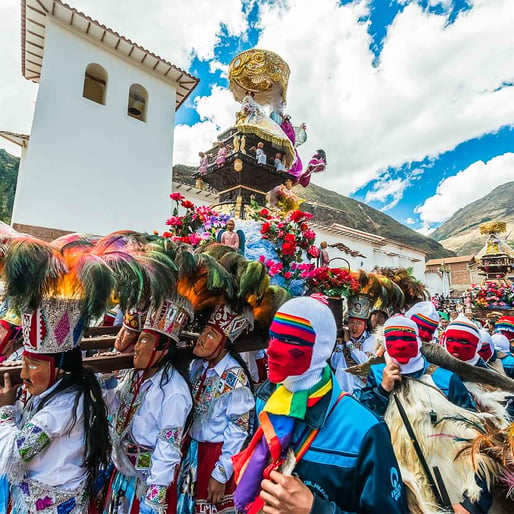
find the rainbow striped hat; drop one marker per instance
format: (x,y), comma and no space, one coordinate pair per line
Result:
(425,315)
(505,323)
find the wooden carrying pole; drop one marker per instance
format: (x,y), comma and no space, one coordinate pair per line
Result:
(102,339)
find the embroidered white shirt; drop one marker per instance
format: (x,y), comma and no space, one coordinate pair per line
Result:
(159,421)
(49,453)
(222,410)
(364,349)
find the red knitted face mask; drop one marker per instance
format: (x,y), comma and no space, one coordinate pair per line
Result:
(286,358)
(461,345)
(402,346)
(425,335)
(486,352)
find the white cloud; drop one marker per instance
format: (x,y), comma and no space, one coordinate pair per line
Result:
(387,189)
(434,86)
(425,230)
(465,187)
(410,221)
(216,111)
(215,66)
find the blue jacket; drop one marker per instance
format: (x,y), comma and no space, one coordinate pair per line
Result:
(375,397)
(508,365)
(350,466)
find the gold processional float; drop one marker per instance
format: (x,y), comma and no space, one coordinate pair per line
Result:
(494,296)
(258,152)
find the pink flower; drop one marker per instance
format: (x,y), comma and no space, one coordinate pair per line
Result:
(175,221)
(313,251)
(177,197)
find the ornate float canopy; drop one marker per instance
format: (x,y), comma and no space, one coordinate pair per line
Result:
(493,227)
(261,72)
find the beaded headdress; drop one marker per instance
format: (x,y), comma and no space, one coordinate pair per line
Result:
(169,317)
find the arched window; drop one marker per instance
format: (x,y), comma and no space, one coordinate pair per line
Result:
(95,83)
(137,102)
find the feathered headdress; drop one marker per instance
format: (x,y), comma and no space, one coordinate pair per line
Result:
(250,293)
(413,290)
(57,292)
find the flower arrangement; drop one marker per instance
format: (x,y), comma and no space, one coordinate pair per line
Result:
(293,243)
(197,225)
(290,234)
(332,281)
(493,294)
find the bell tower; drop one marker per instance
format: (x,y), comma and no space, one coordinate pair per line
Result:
(99,156)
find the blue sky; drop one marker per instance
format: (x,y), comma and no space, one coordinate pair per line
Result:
(428,172)
(412,100)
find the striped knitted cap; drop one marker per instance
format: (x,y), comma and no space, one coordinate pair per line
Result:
(462,327)
(399,325)
(295,327)
(425,315)
(505,323)
(310,322)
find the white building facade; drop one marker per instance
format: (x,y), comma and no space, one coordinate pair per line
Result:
(100,152)
(374,250)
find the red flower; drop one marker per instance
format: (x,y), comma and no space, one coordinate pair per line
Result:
(313,251)
(287,275)
(265,227)
(288,248)
(166,234)
(298,216)
(177,197)
(289,237)
(187,204)
(304,227)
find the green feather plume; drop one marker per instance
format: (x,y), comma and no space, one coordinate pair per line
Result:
(32,269)
(96,281)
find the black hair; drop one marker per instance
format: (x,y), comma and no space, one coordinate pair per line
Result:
(173,362)
(97,440)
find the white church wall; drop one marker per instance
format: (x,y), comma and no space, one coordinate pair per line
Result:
(388,255)
(91,167)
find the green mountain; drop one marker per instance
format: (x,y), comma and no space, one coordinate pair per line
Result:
(331,207)
(461,232)
(8,176)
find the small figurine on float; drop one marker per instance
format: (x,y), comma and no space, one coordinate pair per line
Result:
(279,165)
(204,162)
(233,238)
(259,153)
(222,154)
(317,164)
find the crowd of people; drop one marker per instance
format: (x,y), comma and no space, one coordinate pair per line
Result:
(381,413)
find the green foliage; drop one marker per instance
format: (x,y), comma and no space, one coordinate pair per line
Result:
(8,177)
